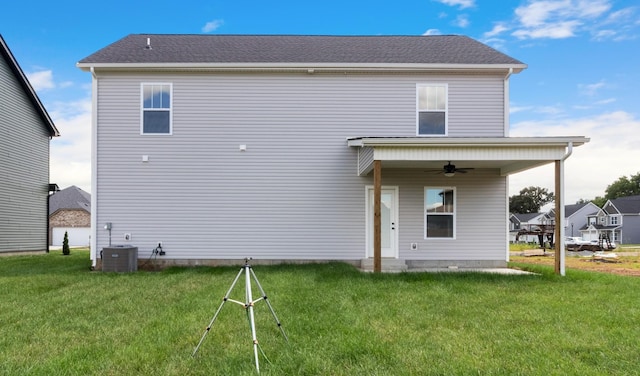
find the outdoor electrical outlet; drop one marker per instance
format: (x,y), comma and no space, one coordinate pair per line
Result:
(127,236)
(414,246)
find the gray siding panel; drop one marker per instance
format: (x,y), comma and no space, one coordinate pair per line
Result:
(481,207)
(629,232)
(294,193)
(24,169)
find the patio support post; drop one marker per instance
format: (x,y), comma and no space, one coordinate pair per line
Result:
(377,222)
(559,255)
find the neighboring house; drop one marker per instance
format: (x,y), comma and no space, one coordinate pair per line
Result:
(26,129)
(575,220)
(576,217)
(521,226)
(619,219)
(308,148)
(70,212)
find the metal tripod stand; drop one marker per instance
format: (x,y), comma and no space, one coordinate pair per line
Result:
(248,306)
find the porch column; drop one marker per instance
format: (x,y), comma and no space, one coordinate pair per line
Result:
(377,221)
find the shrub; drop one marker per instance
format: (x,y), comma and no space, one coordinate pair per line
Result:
(65,244)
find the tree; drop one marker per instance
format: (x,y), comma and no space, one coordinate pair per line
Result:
(530,200)
(623,187)
(65,244)
(598,201)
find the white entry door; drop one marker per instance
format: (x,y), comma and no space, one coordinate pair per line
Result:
(388,219)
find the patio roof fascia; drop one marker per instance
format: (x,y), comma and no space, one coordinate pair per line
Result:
(466,141)
(509,154)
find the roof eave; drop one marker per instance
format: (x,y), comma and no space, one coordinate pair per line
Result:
(308,67)
(26,85)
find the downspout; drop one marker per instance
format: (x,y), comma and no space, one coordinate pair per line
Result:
(560,223)
(506,134)
(94,181)
(506,102)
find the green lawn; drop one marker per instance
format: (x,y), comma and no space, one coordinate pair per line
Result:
(60,318)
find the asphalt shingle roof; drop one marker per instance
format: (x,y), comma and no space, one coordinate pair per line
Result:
(627,205)
(571,209)
(70,198)
(192,48)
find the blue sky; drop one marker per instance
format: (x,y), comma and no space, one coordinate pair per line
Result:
(583,57)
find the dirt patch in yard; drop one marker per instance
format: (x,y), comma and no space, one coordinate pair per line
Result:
(626,263)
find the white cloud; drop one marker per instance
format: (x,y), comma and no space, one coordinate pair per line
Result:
(537,13)
(600,35)
(212,26)
(557,19)
(606,101)
(591,89)
(622,15)
(460,3)
(70,154)
(611,153)
(558,30)
(497,43)
(41,80)
(462,21)
(498,29)
(432,32)
(516,109)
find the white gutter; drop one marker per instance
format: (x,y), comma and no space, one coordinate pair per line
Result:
(303,67)
(561,225)
(94,164)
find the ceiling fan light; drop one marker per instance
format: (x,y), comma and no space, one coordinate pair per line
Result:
(449,174)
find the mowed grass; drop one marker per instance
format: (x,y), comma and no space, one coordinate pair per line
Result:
(60,318)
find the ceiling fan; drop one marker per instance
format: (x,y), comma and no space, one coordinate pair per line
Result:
(449,170)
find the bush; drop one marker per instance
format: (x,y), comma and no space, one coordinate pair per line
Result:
(65,244)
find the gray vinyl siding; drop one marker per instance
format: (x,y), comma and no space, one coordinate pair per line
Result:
(630,233)
(365,160)
(480,206)
(294,193)
(24,169)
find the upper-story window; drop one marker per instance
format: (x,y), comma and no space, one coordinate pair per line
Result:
(613,220)
(439,207)
(156,108)
(432,109)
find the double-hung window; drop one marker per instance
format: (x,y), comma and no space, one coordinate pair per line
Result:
(440,211)
(156,108)
(432,109)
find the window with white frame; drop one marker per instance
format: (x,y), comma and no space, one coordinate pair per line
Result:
(613,220)
(432,109)
(439,209)
(156,108)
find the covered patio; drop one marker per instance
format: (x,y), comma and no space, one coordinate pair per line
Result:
(507,155)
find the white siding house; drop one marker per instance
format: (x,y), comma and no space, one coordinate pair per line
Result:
(280,148)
